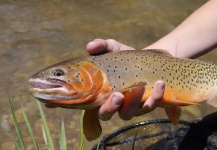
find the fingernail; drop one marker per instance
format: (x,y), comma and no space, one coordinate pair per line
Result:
(106,117)
(160,86)
(116,100)
(91,42)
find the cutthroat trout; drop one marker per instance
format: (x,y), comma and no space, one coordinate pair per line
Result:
(86,82)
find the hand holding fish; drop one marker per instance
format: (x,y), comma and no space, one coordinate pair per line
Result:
(115,101)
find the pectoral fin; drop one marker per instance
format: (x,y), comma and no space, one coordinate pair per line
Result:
(132,100)
(134,86)
(91,125)
(123,91)
(174,114)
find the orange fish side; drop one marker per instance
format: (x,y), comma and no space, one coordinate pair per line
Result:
(173,96)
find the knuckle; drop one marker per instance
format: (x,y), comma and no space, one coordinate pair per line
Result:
(111,40)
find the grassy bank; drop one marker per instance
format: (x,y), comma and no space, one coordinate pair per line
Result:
(20,144)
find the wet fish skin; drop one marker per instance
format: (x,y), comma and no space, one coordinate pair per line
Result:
(187,79)
(85,83)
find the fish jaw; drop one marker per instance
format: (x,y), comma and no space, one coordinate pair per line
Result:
(51,89)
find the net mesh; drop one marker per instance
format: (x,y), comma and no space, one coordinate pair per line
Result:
(162,134)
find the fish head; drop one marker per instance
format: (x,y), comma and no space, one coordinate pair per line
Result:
(70,84)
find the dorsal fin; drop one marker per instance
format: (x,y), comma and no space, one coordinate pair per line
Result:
(160,51)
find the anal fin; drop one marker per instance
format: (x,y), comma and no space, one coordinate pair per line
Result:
(91,125)
(174,114)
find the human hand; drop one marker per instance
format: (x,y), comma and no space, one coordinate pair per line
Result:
(116,99)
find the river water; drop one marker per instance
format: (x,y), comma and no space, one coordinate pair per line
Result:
(35,34)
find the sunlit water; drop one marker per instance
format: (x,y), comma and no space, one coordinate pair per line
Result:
(35,34)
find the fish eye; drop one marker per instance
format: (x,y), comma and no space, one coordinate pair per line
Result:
(58,72)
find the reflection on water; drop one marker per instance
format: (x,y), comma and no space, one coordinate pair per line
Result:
(35,34)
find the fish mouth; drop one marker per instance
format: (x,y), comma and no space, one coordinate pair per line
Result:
(51,89)
(43,84)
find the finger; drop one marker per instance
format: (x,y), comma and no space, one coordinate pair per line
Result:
(114,46)
(132,100)
(111,106)
(99,46)
(157,93)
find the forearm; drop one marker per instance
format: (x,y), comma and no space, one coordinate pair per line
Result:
(194,35)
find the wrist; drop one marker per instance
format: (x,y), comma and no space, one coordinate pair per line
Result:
(164,43)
